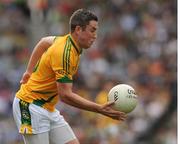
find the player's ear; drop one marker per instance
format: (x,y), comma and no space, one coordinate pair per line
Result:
(78,29)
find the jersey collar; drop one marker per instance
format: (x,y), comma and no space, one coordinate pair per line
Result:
(78,49)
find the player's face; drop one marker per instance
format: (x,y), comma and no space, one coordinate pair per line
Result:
(88,35)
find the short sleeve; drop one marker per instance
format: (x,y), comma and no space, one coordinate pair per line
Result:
(63,77)
(61,63)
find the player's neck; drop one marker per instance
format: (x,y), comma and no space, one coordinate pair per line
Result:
(75,39)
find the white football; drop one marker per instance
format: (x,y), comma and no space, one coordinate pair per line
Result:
(124,97)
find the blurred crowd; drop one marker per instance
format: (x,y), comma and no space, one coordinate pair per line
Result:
(136,45)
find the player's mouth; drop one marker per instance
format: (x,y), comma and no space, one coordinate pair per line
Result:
(91,42)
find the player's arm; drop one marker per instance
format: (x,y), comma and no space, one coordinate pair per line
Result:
(37,52)
(73,99)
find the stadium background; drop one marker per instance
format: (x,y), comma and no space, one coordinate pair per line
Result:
(137,45)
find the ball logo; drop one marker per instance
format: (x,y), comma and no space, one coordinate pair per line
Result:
(131,92)
(115,96)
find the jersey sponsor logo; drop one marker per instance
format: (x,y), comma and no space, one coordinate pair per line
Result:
(62,72)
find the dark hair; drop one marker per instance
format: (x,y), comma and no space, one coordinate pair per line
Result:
(81,17)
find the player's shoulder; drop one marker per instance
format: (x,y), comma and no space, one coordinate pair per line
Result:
(58,45)
(48,39)
(60,39)
(60,42)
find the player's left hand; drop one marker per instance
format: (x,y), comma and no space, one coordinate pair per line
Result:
(107,110)
(25,77)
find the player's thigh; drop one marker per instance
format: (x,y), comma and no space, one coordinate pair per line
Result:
(62,135)
(42,138)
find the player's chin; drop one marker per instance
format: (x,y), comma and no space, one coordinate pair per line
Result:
(87,46)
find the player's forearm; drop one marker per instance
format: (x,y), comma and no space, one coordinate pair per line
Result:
(79,102)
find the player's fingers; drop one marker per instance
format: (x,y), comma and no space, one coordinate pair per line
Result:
(24,78)
(117,112)
(22,81)
(112,112)
(118,118)
(121,117)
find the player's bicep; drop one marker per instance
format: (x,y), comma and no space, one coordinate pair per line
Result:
(64,89)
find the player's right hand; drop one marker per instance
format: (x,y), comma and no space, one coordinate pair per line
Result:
(107,110)
(25,77)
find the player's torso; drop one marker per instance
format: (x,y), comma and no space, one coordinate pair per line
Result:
(41,88)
